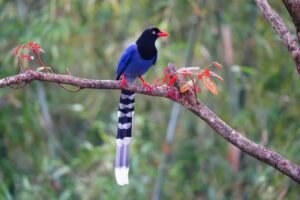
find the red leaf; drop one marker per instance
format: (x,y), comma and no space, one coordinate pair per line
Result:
(17,49)
(173,80)
(217,65)
(210,85)
(216,75)
(184,88)
(35,47)
(206,73)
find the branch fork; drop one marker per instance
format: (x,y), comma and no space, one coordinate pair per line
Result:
(280,27)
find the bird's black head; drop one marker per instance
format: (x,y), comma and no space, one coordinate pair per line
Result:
(151,33)
(146,42)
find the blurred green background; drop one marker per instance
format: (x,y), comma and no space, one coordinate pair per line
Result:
(56,144)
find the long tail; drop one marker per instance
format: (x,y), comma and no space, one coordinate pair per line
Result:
(125,114)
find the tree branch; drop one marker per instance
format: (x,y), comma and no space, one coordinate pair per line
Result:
(279,26)
(293,6)
(187,100)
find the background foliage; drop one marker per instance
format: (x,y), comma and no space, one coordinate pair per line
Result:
(60,145)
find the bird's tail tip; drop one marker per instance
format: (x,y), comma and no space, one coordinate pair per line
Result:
(121,174)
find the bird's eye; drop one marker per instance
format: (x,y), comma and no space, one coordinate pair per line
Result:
(153,32)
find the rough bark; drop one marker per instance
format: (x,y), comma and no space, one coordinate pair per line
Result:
(279,26)
(293,6)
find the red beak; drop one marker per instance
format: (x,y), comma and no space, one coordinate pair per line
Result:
(163,34)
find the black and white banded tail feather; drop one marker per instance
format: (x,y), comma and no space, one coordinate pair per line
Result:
(125,114)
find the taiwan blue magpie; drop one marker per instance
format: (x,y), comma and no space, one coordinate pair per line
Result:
(134,62)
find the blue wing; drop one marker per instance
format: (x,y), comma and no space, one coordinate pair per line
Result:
(125,59)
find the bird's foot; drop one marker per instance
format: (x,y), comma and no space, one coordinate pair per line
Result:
(146,85)
(123,81)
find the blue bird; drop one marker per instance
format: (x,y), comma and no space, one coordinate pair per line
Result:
(135,61)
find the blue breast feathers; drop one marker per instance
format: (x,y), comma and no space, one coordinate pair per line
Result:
(132,65)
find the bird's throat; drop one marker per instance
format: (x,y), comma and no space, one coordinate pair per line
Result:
(147,51)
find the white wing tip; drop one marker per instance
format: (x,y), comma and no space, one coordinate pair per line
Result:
(121,174)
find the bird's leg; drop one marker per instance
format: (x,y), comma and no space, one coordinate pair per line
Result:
(123,81)
(145,84)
